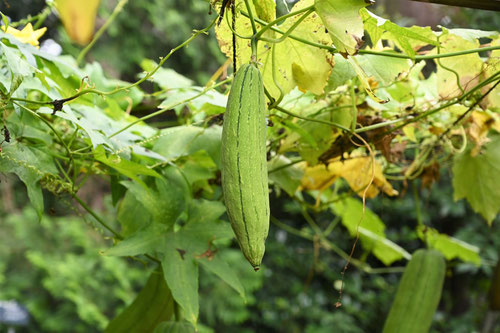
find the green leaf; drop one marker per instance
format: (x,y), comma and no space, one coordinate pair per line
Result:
(181,273)
(449,246)
(132,214)
(17,64)
(145,241)
(167,200)
(30,165)
(5,21)
(475,178)
(364,79)
(383,69)
(288,178)
(342,72)
(153,305)
(125,167)
(180,141)
(344,24)
(407,39)
(166,78)
(203,211)
(220,268)
(371,230)
(198,166)
(472,34)
(182,249)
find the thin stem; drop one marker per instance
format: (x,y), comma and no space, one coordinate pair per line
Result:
(279,108)
(281,167)
(385,54)
(457,76)
(42,17)
(44,13)
(128,87)
(271,24)
(105,225)
(94,215)
(354,108)
(325,243)
(491,79)
(381,125)
(169,107)
(250,16)
(48,124)
(116,11)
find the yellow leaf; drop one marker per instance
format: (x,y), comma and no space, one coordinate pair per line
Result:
(78,18)
(296,64)
(409,131)
(482,122)
(356,171)
(27,35)
(266,9)
(318,177)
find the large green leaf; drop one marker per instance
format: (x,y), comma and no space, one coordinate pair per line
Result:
(125,167)
(191,243)
(30,165)
(180,141)
(407,39)
(144,241)
(181,273)
(220,268)
(476,179)
(153,305)
(17,64)
(450,247)
(371,230)
(284,175)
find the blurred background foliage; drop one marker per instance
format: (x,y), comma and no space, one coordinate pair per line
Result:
(55,270)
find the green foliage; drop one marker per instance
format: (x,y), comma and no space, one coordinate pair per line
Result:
(52,267)
(365,124)
(472,179)
(140,315)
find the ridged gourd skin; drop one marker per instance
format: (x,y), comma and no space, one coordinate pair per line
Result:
(244,163)
(418,294)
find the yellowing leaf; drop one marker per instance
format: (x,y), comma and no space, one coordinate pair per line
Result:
(469,75)
(318,177)
(357,171)
(27,35)
(481,123)
(266,9)
(296,64)
(492,101)
(344,23)
(409,131)
(78,18)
